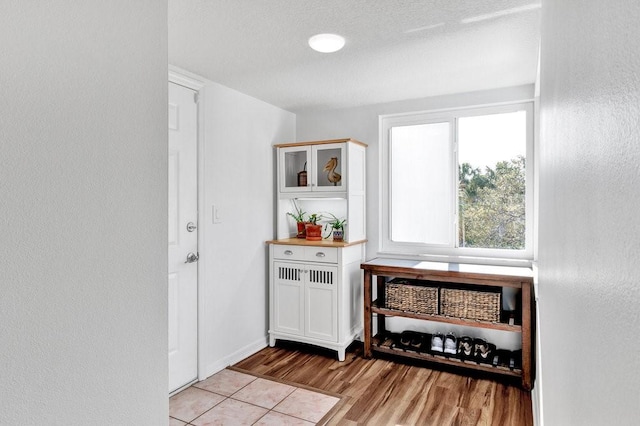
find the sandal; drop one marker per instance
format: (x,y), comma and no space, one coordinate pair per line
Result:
(465,347)
(484,351)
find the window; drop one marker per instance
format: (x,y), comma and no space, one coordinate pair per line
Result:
(458,182)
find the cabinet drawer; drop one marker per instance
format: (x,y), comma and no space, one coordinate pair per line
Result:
(288,252)
(321,254)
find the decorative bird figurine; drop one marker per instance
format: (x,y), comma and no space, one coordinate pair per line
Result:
(330,167)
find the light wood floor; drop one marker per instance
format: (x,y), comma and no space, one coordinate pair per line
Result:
(383,392)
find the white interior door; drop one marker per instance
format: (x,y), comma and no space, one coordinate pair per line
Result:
(183,238)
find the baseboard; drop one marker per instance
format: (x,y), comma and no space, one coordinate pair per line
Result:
(234,358)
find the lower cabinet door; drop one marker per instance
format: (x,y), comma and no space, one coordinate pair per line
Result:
(320,302)
(288,297)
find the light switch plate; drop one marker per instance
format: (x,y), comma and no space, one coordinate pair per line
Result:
(215,212)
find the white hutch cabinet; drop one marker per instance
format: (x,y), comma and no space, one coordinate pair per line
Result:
(315,287)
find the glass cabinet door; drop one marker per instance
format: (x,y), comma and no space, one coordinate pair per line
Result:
(330,172)
(295,163)
(317,168)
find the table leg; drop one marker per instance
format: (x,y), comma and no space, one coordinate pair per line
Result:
(367,314)
(382,326)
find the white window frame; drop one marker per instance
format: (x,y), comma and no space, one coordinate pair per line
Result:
(453,252)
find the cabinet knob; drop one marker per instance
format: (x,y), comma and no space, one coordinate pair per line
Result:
(320,254)
(288,252)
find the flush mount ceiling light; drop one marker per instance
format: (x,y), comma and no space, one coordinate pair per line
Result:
(326,43)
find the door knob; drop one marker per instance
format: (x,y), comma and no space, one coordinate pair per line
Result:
(192,258)
(191,227)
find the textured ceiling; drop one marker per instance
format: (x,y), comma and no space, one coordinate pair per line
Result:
(395,50)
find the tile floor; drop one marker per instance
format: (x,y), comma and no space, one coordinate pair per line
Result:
(234,398)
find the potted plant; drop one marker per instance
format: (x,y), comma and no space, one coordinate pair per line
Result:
(314,231)
(337,228)
(298,216)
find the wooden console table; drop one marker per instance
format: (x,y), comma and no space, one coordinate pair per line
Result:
(451,274)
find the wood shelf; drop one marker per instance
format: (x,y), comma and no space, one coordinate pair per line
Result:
(382,345)
(376,309)
(323,142)
(322,243)
(454,275)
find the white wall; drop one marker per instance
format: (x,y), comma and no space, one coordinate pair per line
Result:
(239,178)
(83,112)
(361,123)
(589,201)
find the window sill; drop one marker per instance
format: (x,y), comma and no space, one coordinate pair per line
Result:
(475,260)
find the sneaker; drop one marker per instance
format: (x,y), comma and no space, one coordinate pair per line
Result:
(437,342)
(450,344)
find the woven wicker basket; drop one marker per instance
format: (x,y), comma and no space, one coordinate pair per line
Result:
(469,304)
(402,296)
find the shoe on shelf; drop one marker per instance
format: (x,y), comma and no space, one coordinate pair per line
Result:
(465,347)
(450,344)
(484,351)
(417,342)
(405,339)
(437,342)
(516,360)
(390,339)
(501,358)
(410,340)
